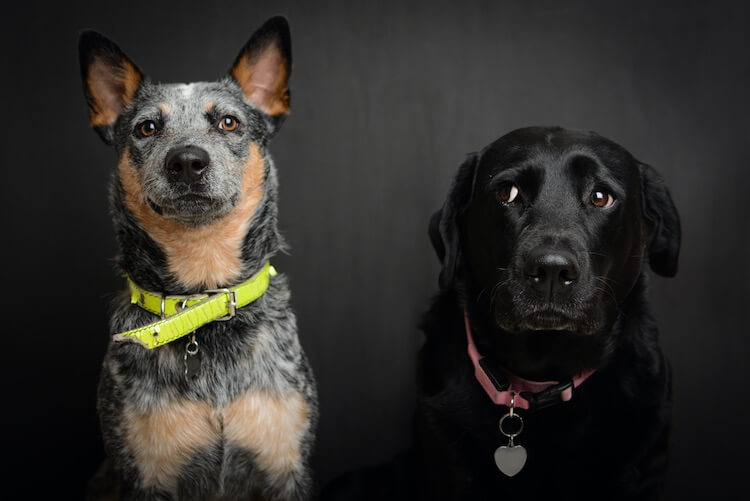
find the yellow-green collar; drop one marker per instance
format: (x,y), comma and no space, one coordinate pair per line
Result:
(181,315)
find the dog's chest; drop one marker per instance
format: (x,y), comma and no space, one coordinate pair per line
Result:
(167,440)
(585,438)
(244,399)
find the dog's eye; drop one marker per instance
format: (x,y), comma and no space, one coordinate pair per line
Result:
(601,199)
(228,123)
(147,128)
(507,193)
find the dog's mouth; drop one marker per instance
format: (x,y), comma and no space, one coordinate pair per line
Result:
(191,208)
(156,207)
(180,201)
(546,321)
(194,198)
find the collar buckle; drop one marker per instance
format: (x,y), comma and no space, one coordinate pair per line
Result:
(232,302)
(547,397)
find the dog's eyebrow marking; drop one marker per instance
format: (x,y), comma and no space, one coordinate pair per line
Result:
(164,108)
(207,256)
(163,440)
(271,426)
(209,106)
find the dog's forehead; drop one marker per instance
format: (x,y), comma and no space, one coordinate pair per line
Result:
(196,98)
(551,147)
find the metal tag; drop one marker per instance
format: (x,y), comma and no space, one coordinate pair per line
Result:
(192,359)
(510,459)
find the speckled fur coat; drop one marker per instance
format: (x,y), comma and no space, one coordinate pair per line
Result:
(244,427)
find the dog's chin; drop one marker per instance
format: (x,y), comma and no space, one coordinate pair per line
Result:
(192,210)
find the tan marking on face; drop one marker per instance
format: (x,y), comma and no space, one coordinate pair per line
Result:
(208,106)
(111,90)
(164,108)
(163,440)
(271,426)
(208,256)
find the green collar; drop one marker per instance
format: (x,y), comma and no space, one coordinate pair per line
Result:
(181,315)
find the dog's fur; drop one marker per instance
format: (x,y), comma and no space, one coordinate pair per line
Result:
(610,440)
(243,429)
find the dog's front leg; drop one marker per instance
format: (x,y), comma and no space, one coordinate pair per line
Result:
(294,485)
(158,442)
(644,480)
(243,478)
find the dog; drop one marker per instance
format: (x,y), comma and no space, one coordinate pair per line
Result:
(541,375)
(190,406)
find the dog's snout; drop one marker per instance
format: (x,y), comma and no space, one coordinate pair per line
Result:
(550,270)
(187,163)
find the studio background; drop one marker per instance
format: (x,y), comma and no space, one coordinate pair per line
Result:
(387,98)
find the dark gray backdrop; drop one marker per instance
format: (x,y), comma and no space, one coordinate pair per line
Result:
(387,99)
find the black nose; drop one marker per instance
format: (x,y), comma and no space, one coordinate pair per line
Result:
(550,270)
(186,163)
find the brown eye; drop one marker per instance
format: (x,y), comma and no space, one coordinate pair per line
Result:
(601,199)
(147,128)
(507,193)
(228,123)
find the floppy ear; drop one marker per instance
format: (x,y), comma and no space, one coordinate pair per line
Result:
(434,232)
(264,66)
(443,229)
(663,223)
(110,80)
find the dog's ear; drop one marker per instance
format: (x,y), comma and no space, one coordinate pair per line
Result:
(662,221)
(110,80)
(444,230)
(264,66)
(434,232)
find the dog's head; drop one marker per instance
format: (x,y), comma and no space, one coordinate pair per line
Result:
(552,226)
(186,148)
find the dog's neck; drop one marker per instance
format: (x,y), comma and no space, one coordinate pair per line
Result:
(505,388)
(545,356)
(212,257)
(548,355)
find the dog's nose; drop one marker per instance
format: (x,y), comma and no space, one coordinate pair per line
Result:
(186,163)
(550,270)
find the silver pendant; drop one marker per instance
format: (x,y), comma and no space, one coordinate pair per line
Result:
(510,459)
(192,359)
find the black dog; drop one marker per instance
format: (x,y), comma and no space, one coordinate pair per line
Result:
(543,240)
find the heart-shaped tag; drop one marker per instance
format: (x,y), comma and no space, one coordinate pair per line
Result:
(510,460)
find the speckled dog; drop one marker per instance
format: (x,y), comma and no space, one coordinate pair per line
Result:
(228,410)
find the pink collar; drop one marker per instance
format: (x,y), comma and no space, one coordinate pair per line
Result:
(501,394)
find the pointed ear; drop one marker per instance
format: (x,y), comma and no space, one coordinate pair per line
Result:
(662,221)
(110,81)
(264,66)
(444,232)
